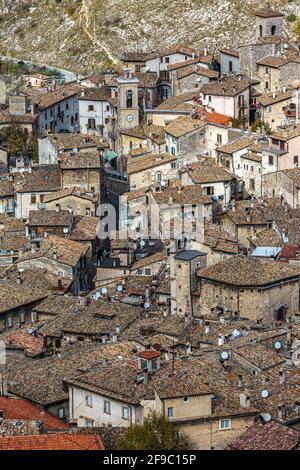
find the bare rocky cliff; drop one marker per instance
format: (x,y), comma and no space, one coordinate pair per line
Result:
(83,34)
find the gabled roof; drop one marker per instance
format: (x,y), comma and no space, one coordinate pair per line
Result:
(267,436)
(149,160)
(246,271)
(61,441)
(236,145)
(80,161)
(47,218)
(21,409)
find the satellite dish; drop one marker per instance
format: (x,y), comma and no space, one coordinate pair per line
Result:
(224,356)
(97,296)
(163,183)
(66,230)
(277,345)
(147,305)
(266,417)
(265,393)
(236,333)
(104,290)
(21,270)
(142,243)
(120,288)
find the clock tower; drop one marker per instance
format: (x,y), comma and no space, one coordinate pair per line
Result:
(128,107)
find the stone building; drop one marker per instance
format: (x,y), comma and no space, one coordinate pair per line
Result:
(275,106)
(81,171)
(246,287)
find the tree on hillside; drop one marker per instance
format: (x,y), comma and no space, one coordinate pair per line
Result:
(156,433)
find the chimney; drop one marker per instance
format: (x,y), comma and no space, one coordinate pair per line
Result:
(284,89)
(221,340)
(19,280)
(205,52)
(240,380)
(57,207)
(170,201)
(114,338)
(281,376)
(244,401)
(83,300)
(54,254)
(281,412)
(82,92)
(206,328)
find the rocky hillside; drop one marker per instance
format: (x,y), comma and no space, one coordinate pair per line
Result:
(81,34)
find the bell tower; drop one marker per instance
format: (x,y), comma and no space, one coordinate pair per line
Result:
(268,22)
(128,107)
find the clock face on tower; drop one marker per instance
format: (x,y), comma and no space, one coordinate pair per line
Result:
(130,118)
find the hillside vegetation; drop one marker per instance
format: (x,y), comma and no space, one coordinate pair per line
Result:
(85,34)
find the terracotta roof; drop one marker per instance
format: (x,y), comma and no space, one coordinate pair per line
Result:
(149,354)
(252,157)
(147,79)
(39,180)
(213,118)
(198,70)
(267,237)
(272,61)
(149,160)
(61,441)
(71,192)
(181,385)
(202,173)
(84,228)
(192,194)
(6,188)
(95,94)
(267,12)
(7,118)
(230,52)
(21,339)
(259,356)
(176,102)
(155,258)
(267,436)
(230,86)
(62,249)
(18,296)
(183,125)
(236,145)
(80,161)
(246,271)
(68,141)
(134,56)
(21,409)
(45,100)
(153,132)
(287,134)
(48,218)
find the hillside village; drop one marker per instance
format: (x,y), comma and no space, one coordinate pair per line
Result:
(149,248)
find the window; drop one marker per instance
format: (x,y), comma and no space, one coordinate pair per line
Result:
(170,412)
(210,190)
(46,116)
(230,66)
(267,70)
(33,199)
(209,98)
(91,124)
(148,271)
(271,160)
(224,424)
(273,30)
(219,139)
(252,184)
(167,60)
(67,105)
(107,407)
(267,85)
(186,399)
(91,107)
(129,99)
(60,274)
(173,151)
(137,68)
(9,322)
(296,159)
(260,30)
(89,423)
(61,413)
(22,315)
(125,412)
(42,197)
(173,165)
(33,316)
(106,120)
(89,401)
(159,177)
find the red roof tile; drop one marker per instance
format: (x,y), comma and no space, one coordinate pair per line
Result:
(148,354)
(62,441)
(19,408)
